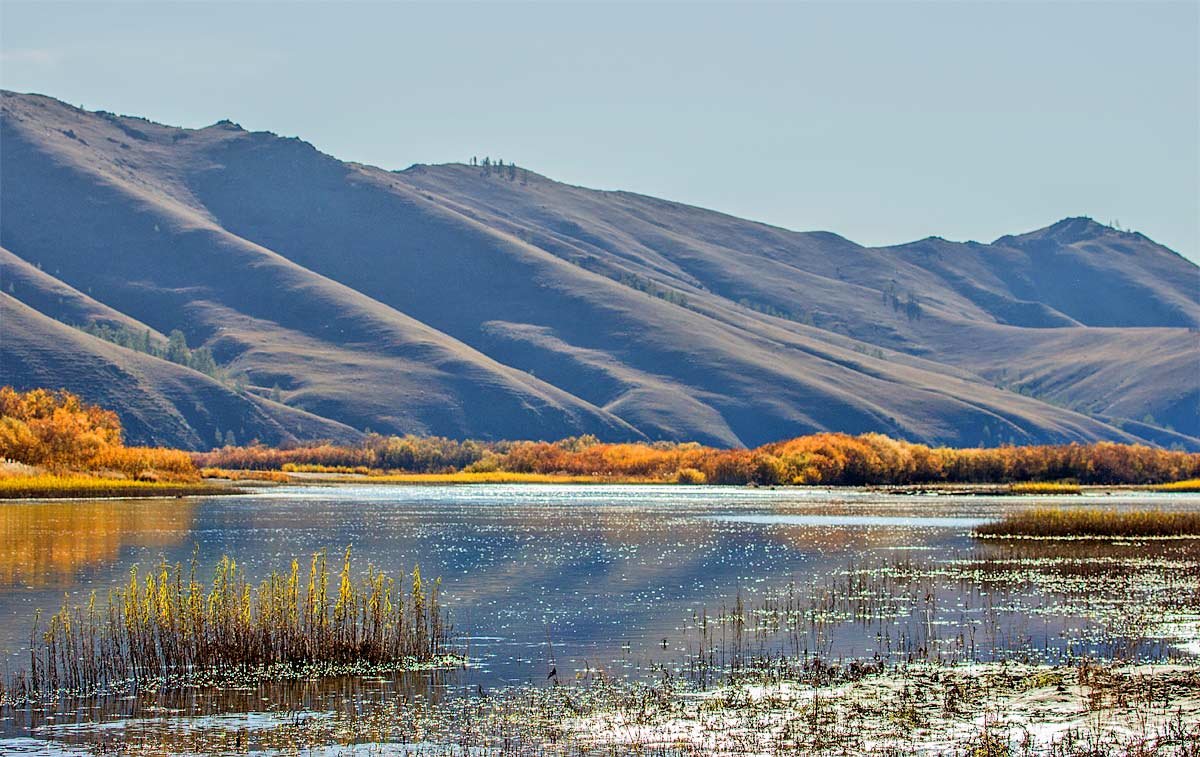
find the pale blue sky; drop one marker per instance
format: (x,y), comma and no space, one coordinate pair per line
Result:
(883,122)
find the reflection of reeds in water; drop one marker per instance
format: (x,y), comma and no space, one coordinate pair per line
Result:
(793,633)
(47,543)
(166,629)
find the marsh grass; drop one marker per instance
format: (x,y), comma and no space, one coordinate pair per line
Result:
(898,711)
(47,485)
(1190,485)
(1057,522)
(166,629)
(273,476)
(1045,487)
(360,470)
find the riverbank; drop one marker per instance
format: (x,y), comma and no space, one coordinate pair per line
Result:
(226,482)
(49,486)
(1027,490)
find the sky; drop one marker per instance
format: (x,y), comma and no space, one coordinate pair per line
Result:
(884,122)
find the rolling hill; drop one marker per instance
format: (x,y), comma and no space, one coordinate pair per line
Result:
(464,301)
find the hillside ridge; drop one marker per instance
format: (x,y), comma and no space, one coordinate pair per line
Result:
(443,299)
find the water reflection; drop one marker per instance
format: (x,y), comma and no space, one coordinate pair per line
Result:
(48,544)
(616,577)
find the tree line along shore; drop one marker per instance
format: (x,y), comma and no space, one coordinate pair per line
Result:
(56,445)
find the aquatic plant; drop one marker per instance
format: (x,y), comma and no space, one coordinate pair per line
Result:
(166,628)
(1084,522)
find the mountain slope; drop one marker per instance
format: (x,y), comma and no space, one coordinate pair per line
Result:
(980,306)
(161,403)
(442,300)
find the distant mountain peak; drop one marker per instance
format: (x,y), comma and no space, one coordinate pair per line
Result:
(1077,228)
(1067,231)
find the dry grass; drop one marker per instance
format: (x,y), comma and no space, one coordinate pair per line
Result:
(52,486)
(246,475)
(165,629)
(361,470)
(1190,485)
(1045,487)
(1091,522)
(690,476)
(146,462)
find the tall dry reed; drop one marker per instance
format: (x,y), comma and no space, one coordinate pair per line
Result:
(169,628)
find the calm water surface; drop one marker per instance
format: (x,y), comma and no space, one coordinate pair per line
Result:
(614,577)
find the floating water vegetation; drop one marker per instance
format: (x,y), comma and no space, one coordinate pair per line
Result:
(166,629)
(1059,522)
(1086,710)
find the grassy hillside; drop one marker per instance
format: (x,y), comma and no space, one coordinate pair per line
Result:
(441,300)
(160,403)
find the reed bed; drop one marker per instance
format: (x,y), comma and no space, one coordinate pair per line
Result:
(167,629)
(47,485)
(1057,522)
(1189,485)
(361,470)
(1045,487)
(273,476)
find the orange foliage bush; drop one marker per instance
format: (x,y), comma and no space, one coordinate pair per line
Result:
(816,459)
(842,459)
(145,462)
(54,429)
(58,431)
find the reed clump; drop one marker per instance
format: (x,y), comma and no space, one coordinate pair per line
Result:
(167,628)
(1058,522)
(1045,487)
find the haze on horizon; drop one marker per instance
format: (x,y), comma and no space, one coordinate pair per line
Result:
(883,122)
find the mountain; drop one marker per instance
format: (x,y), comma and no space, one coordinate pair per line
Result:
(496,303)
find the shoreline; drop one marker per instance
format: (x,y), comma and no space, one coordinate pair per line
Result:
(987,708)
(119,490)
(246,482)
